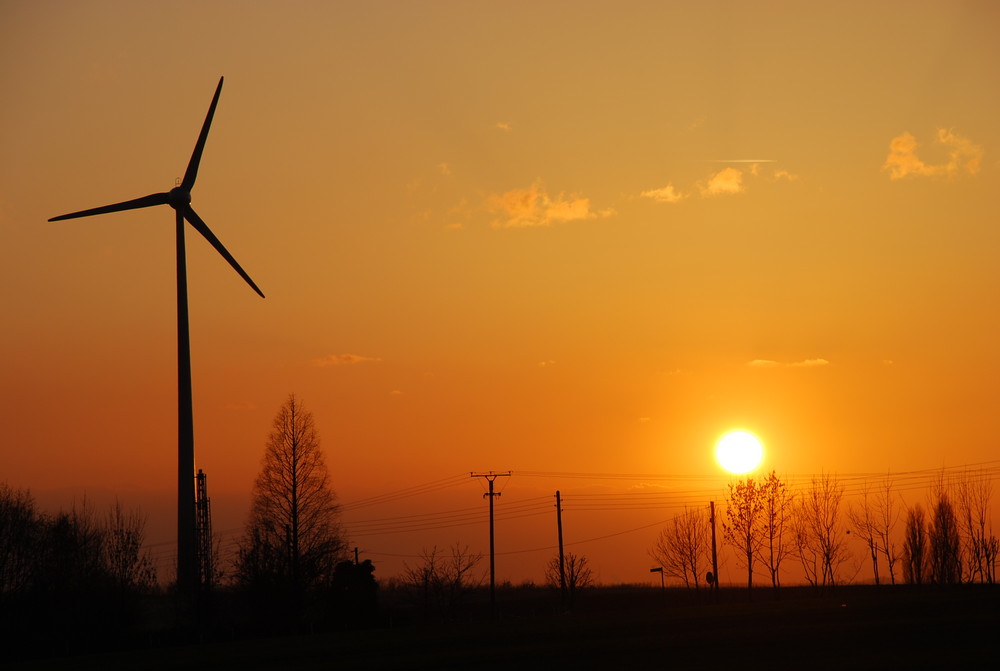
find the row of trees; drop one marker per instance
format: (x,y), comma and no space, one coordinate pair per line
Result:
(767,523)
(71,576)
(70,551)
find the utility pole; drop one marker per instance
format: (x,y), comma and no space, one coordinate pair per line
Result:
(562,558)
(490,477)
(715,556)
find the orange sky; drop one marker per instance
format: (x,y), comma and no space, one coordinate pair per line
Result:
(575,237)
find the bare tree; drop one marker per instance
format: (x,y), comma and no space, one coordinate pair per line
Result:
(945,545)
(886,517)
(819,535)
(864,519)
(683,547)
(915,546)
(130,567)
(577,571)
(778,503)
(975,492)
(443,581)
(744,528)
(20,528)
(293,535)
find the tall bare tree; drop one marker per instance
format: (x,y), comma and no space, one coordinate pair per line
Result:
(820,537)
(945,544)
(886,517)
(778,501)
(915,546)
(864,519)
(975,492)
(293,535)
(744,527)
(683,547)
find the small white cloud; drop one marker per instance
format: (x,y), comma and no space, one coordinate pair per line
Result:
(505,126)
(727,181)
(666,194)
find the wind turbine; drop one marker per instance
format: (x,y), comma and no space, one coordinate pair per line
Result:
(179,198)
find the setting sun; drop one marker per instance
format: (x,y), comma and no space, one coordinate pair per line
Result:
(739,452)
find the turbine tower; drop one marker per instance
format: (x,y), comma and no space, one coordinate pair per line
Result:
(179,198)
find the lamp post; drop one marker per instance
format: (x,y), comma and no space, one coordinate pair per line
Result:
(663,587)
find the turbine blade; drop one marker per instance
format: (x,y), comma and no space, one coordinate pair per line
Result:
(203,228)
(145,201)
(192,170)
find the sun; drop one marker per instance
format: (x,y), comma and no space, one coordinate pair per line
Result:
(739,452)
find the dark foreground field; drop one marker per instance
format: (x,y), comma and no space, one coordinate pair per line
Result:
(854,628)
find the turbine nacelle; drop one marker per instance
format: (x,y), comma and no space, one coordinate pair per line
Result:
(179,198)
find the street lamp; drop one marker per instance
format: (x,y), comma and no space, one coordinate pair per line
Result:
(659,569)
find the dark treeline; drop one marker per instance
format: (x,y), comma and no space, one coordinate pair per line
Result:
(71,577)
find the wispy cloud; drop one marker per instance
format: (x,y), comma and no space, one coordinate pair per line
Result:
(521,208)
(504,126)
(806,363)
(344,360)
(964,157)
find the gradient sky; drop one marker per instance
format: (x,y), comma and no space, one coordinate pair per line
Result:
(547,237)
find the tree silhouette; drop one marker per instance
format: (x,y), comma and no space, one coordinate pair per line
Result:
(975,491)
(915,546)
(820,540)
(20,535)
(744,527)
(442,582)
(293,537)
(683,547)
(778,503)
(130,567)
(864,520)
(577,571)
(945,545)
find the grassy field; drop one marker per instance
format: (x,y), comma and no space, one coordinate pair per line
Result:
(860,627)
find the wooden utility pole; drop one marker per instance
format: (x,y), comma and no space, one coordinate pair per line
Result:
(715,556)
(490,477)
(562,557)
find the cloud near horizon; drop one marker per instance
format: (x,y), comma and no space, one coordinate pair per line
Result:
(963,157)
(807,363)
(343,360)
(524,208)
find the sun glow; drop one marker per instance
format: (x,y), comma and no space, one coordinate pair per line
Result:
(739,452)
